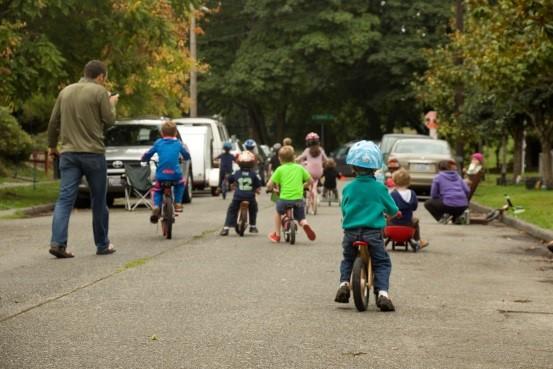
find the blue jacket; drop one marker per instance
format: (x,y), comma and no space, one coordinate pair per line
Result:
(247,182)
(168,151)
(226,160)
(406,208)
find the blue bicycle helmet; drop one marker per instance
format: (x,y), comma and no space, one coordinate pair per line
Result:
(249,144)
(365,154)
(227,146)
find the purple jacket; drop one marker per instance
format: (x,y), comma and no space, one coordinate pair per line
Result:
(450,188)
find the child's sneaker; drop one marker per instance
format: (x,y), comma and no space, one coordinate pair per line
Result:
(156,212)
(309,232)
(178,208)
(253,229)
(342,296)
(275,238)
(384,303)
(446,219)
(224,231)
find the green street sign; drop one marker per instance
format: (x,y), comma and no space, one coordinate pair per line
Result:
(323,117)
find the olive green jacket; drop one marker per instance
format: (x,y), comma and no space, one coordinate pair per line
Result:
(80,117)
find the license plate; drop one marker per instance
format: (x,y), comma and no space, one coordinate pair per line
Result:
(114,181)
(421,167)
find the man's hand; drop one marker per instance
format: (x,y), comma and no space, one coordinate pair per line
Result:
(113,99)
(53,152)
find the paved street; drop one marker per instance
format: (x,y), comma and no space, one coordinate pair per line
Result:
(477,297)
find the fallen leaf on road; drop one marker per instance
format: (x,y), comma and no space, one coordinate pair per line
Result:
(355,353)
(523,301)
(153,338)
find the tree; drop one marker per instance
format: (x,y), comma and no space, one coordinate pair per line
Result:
(507,49)
(279,63)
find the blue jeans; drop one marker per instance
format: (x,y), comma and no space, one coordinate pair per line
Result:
(178,192)
(234,207)
(72,168)
(380,259)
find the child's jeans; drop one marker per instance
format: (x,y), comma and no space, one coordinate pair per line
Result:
(232,212)
(380,259)
(178,192)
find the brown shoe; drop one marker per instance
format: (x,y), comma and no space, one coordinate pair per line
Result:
(60,252)
(178,208)
(106,251)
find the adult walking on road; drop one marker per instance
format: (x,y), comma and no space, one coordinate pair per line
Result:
(82,112)
(449,194)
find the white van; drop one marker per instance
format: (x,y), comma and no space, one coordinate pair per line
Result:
(219,135)
(199,141)
(218,131)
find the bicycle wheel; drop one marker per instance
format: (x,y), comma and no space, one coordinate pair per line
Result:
(167,217)
(242,222)
(360,284)
(224,188)
(293,230)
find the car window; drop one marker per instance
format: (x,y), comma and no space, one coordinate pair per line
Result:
(132,135)
(419,147)
(342,152)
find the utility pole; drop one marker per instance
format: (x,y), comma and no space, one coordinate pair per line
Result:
(459,90)
(193,72)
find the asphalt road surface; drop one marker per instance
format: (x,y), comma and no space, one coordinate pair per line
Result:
(477,297)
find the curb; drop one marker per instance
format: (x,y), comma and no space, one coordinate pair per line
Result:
(532,230)
(39,209)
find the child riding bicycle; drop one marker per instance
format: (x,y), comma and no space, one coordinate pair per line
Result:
(291,179)
(330,175)
(247,184)
(313,157)
(168,149)
(226,159)
(364,202)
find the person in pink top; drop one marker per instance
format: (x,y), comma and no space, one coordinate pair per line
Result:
(313,157)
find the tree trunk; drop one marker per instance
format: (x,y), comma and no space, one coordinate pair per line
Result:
(517,132)
(546,147)
(257,124)
(280,122)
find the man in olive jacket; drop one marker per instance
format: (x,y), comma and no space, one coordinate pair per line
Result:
(82,113)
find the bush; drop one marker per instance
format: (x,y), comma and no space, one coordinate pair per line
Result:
(15,144)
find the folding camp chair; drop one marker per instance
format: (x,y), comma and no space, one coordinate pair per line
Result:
(137,183)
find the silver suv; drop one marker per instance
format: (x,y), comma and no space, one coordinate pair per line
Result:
(126,142)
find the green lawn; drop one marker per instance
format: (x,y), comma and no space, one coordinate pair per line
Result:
(24,173)
(538,204)
(25,196)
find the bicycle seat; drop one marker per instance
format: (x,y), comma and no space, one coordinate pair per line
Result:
(168,183)
(360,244)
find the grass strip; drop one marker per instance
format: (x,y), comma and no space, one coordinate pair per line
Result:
(27,196)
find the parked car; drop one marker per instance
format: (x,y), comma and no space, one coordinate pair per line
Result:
(126,142)
(421,158)
(389,139)
(339,156)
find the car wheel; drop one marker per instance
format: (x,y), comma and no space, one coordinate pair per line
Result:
(187,199)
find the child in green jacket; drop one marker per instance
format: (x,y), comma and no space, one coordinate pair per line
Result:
(364,203)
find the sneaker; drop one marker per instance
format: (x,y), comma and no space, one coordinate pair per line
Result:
(384,303)
(154,218)
(446,219)
(342,295)
(253,229)
(275,238)
(178,208)
(309,232)
(224,232)
(415,245)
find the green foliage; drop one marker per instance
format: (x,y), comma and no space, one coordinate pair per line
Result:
(278,63)
(15,144)
(506,69)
